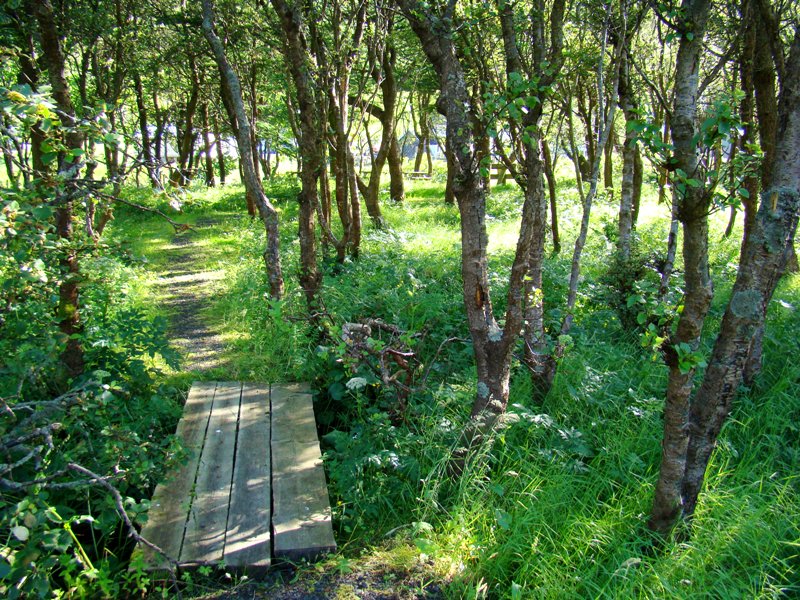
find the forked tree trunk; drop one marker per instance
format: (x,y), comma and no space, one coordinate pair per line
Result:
(538,354)
(764,258)
(386,79)
(763,72)
(232,89)
(492,348)
(492,345)
(311,148)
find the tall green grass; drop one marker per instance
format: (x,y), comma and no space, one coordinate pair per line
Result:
(555,505)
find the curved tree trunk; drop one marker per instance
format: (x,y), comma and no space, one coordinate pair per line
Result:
(233,92)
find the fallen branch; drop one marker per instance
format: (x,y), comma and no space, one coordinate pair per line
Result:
(120,506)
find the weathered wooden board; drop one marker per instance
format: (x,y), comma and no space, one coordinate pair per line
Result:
(168,509)
(292,414)
(204,541)
(301,515)
(248,540)
(254,484)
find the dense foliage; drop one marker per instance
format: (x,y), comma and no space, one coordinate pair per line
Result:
(529,359)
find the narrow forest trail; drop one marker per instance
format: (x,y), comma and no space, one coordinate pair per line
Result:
(186,290)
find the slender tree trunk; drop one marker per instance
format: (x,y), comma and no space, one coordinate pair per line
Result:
(220,151)
(254,117)
(144,130)
(449,188)
(538,355)
(608,164)
(602,139)
(8,156)
(638,175)
(672,250)
(207,148)
(395,159)
(693,214)
(355,241)
(29,75)
(69,292)
(628,106)
(549,172)
(233,90)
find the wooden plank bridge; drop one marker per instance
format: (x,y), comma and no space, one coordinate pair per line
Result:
(253,489)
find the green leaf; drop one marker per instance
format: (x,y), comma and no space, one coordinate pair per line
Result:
(425,545)
(504,519)
(42,212)
(516,591)
(336,390)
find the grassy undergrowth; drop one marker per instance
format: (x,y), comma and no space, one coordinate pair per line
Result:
(556,503)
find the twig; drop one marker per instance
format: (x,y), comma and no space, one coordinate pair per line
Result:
(120,505)
(179,227)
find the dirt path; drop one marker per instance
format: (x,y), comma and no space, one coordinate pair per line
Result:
(186,291)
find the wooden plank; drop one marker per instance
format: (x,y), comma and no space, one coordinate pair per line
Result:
(301,516)
(204,541)
(292,414)
(170,504)
(248,540)
(301,521)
